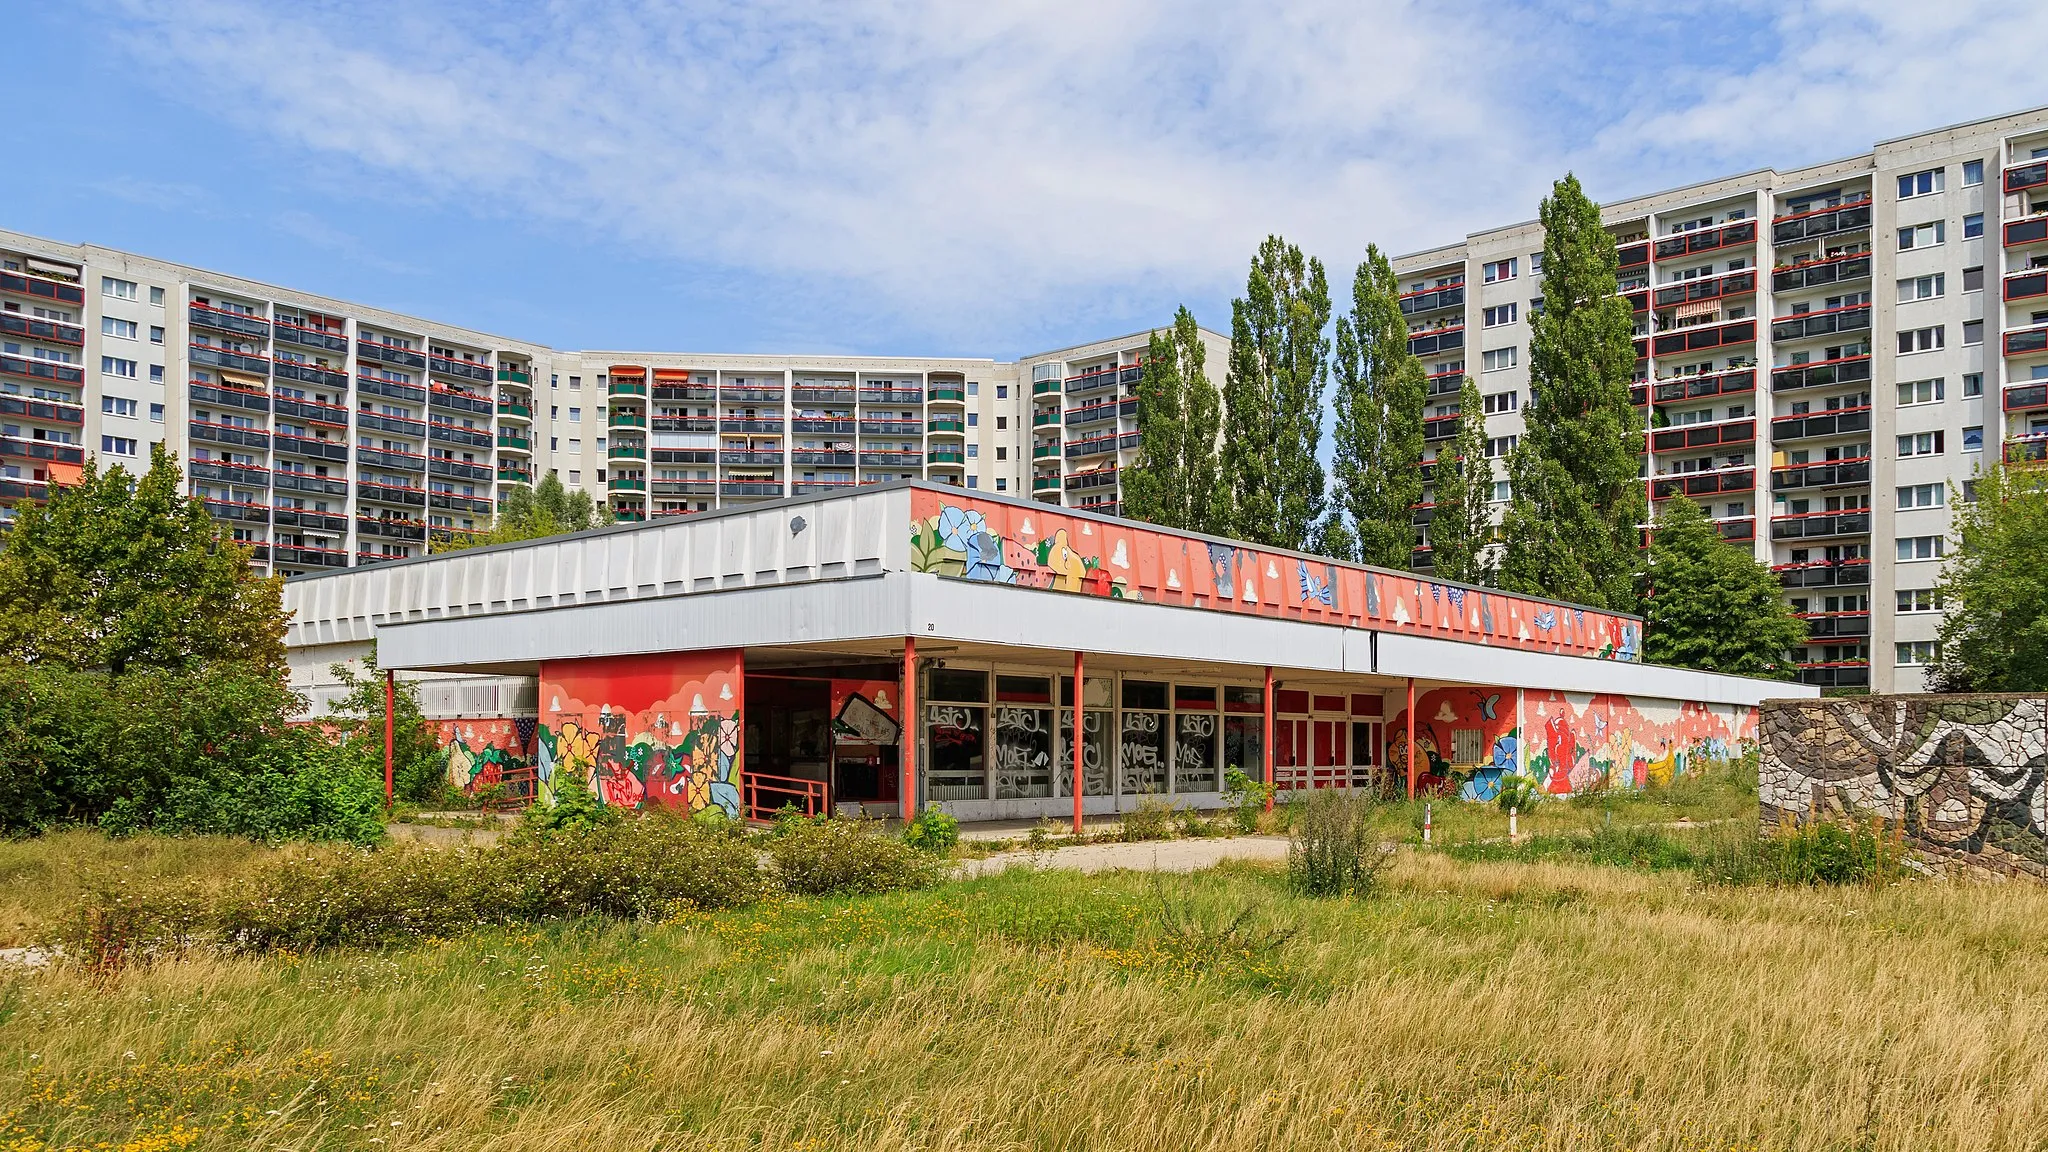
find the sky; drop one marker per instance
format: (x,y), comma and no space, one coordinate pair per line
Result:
(902,177)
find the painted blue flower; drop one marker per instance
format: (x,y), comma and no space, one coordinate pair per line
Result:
(1546,620)
(957,524)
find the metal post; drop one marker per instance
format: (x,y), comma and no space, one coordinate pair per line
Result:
(390,707)
(1079,727)
(906,750)
(1266,741)
(1411,737)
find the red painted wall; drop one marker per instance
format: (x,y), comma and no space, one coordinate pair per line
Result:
(657,729)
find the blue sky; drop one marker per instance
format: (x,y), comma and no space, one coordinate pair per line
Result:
(909,177)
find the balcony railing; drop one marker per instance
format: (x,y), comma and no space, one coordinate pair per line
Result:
(755,424)
(684,487)
(1824,574)
(1819,273)
(1703,483)
(821,457)
(891,396)
(1706,240)
(1043,419)
(826,425)
(398,425)
(390,354)
(1440,427)
(511,473)
(455,434)
(1045,388)
(1681,340)
(229,434)
(2027,284)
(1811,525)
(312,448)
(890,459)
(308,519)
(313,410)
(42,371)
(1101,478)
(1632,254)
(1741,283)
(457,400)
(456,502)
(36,328)
(1834,422)
(310,556)
(310,374)
(290,480)
(1826,625)
(249,362)
(890,428)
(947,393)
(1847,674)
(286,332)
(1703,435)
(1845,370)
(392,528)
(1831,474)
(2021,397)
(390,493)
(227,472)
(1806,325)
(2026,449)
(767,459)
(2020,233)
(1091,381)
(41,288)
(2023,176)
(948,424)
(392,389)
(1090,446)
(41,450)
(1435,341)
(229,397)
(1740,528)
(808,487)
(749,488)
(515,410)
(53,411)
(1847,216)
(461,369)
(813,394)
(1091,413)
(514,376)
(622,387)
(703,392)
(1045,483)
(457,469)
(223,320)
(394,460)
(627,484)
(515,442)
(238,511)
(750,394)
(945,456)
(1678,389)
(1431,299)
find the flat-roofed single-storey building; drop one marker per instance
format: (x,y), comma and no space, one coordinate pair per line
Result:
(912,644)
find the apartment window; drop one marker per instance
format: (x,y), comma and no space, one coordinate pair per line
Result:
(1498,315)
(1973,384)
(1499,403)
(1921,496)
(1002,484)
(124,329)
(117,406)
(1973,439)
(1969,492)
(554,443)
(1002,422)
(1973,279)
(1535,263)
(1914,653)
(1920,392)
(974,481)
(1919,547)
(1923,235)
(1002,393)
(156,333)
(1002,453)
(117,445)
(118,289)
(1499,270)
(576,382)
(1501,492)
(1496,358)
(1920,444)
(1973,332)
(575,445)
(575,414)
(974,451)
(1920,183)
(156,373)
(973,419)
(1499,446)
(156,413)
(115,366)
(1921,288)
(1919,600)
(575,477)
(1973,173)
(156,297)
(1923,339)
(1973,225)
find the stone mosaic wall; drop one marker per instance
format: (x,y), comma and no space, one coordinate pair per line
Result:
(1966,775)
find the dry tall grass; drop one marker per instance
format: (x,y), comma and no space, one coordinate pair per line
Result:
(1543,1006)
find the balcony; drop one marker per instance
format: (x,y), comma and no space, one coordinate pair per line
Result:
(1840,674)
(948,394)
(308,520)
(945,456)
(2032,449)
(1742,528)
(1827,625)
(1702,483)
(1045,388)
(236,434)
(1045,451)
(749,488)
(312,374)
(390,458)
(50,411)
(1807,325)
(769,459)
(1632,254)
(1045,483)
(2024,397)
(1738,234)
(1824,574)
(1722,287)
(223,320)
(1100,478)
(309,556)
(1638,298)
(1820,273)
(286,332)
(750,394)
(1845,370)
(683,455)
(391,389)
(393,528)
(458,400)
(885,459)
(515,376)
(289,480)
(41,288)
(891,396)
(1832,474)
(1093,381)
(382,493)
(389,354)
(238,511)
(35,328)
(1044,419)
(1851,215)
(311,448)
(951,425)
(2023,176)
(620,418)
(229,396)
(31,449)
(1089,446)
(817,487)
(702,392)
(1091,413)
(683,424)
(624,387)
(1440,428)
(1431,299)
(1436,340)
(514,441)
(511,473)
(455,502)
(397,425)
(207,354)
(455,434)
(1678,341)
(754,424)
(313,410)
(821,458)
(461,369)
(1808,426)
(627,484)
(457,469)
(1813,525)
(1679,389)
(12,489)
(2026,284)
(685,487)
(1703,435)
(2026,341)
(515,410)
(226,472)
(829,426)
(890,428)
(2021,233)
(813,394)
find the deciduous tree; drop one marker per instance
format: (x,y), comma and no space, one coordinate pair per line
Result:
(1711,605)
(1380,392)
(1273,398)
(1461,524)
(1994,587)
(547,509)
(1174,479)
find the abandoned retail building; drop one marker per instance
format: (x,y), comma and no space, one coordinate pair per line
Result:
(911,644)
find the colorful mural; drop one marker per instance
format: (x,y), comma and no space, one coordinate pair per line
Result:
(488,757)
(1962,776)
(1045,547)
(1585,740)
(661,729)
(1486,714)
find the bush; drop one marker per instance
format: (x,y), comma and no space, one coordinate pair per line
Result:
(932,831)
(1518,792)
(1152,820)
(831,857)
(1332,849)
(1248,798)
(575,806)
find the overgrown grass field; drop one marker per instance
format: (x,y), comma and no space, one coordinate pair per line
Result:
(1554,1004)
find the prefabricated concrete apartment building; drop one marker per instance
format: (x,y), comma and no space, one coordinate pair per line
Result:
(1814,369)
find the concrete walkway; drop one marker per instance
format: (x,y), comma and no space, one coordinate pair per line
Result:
(1154,856)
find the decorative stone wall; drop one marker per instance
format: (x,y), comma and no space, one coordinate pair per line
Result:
(1966,776)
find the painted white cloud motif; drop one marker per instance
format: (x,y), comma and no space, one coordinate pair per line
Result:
(1121,558)
(1025,528)
(1172,579)
(1444,714)
(725,691)
(1272,572)
(1251,591)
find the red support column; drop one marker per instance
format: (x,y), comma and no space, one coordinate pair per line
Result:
(1079,727)
(1411,737)
(906,748)
(390,707)
(739,719)
(1266,741)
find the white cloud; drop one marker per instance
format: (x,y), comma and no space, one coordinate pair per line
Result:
(971,166)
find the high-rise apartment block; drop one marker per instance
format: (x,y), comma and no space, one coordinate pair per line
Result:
(327,434)
(1826,358)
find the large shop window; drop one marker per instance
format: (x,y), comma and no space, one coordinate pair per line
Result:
(1244,730)
(956,735)
(1143,733)
(1194,738)
(1023,722)
(1098,720)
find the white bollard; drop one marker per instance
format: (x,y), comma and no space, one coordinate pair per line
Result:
(1426,818)
(1511,825)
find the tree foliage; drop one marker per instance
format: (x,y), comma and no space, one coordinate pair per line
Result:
(1711,605)
(117,572)
(357,718)
(546,509)
(1994,587)
(1380,393)
(1273,398)
(1572,528)
(1461,526)
(1173,482)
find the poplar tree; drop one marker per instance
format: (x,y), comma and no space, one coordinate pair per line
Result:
(1461,526)
(1273,399)
(1381,391)
(1173,482)
(1573,528)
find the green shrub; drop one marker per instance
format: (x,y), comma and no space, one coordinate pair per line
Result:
(575,806)
(834,857)
(1153,819)
(1519,792)
(1247,798)
(1332,849)
(932,831)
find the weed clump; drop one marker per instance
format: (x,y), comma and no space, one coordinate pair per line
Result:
(1153,819)
(829,857)
(1332,849)
(933,831)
